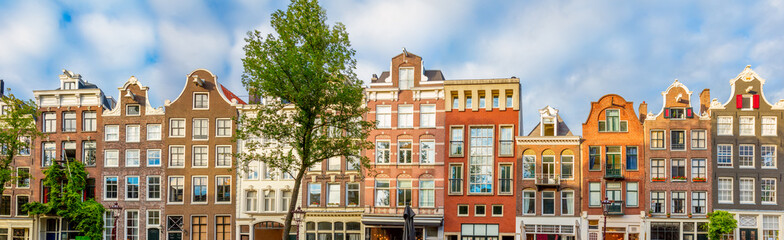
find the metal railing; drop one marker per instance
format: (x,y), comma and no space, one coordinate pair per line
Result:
(548,179)
(615,208)
(613,170)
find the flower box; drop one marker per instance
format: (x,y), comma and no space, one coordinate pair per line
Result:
(698,179)
(679,178)
(656,179)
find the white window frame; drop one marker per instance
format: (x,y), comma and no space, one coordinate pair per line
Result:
(753,157)
(751,126)
(160,157)
(126,227)
(231,192)
(171,159)
(384,119)
(169,188)
(218,127)
(773,191)
(183,128)
(775,155)
(774,125)
(664,139)
(409,83)
(151,134)
(664,202)
(731,192)
(71,120)
(138,188)
(206,186)
(137,133)
(106,158)
(204,129)
(742,189)
(704,140)
(89,124)
(138,157)
(160,188)
(405,119)
(388,150)
(731,155)
(218,156)
(49,127)
(105,192)
(572,202)
(721,124)
(149,224)
(430,152)
(133,105)
(207,103)
(427,114)
(111,133)
(523,211)
(554,203)
(206,155)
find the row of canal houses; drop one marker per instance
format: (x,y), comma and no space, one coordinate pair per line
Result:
(453,150)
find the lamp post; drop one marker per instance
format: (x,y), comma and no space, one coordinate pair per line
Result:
(298,215)
(605,209)
(116,211)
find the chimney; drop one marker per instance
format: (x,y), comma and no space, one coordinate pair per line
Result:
(643,111)
(705,101)
(2,88)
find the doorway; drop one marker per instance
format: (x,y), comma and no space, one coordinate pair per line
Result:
(748,234)
(153,234)
(267,230)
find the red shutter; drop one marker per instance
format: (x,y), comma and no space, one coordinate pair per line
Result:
(756,101)
(739,101)
(689,113)
(666,113)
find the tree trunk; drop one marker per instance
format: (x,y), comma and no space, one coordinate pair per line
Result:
(293,205)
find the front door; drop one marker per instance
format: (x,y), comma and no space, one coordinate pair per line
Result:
(748,234)
(152,233)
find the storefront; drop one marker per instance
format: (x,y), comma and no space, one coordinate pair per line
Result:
(685,229)
(15,228)
(548,228)
(391,227)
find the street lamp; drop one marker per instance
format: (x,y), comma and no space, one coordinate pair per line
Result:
(605,209)
(116,211)
(298,215)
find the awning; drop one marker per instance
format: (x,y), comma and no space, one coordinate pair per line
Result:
(398,221)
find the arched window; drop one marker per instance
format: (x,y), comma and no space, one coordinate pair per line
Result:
(251,201)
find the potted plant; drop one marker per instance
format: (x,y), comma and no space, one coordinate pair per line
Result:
(679,178)
(668,215)
(698,179)
(658,179)
(650,213)
(689,215)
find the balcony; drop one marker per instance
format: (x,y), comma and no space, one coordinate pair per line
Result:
(613,171)
(544,180)
(615,208)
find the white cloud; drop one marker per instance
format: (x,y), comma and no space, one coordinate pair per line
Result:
(28,36)
(118,42)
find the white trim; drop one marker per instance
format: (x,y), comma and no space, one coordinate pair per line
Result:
(193,156)
(133,105)
(147,131)
(217,156)
(184,152)
(184,128)
(138,191)
(731,190)
(147,158)
(103,196)
(125,223)
(169,188)
(106,133)
(147,218)
(105,159)
(160,187)
(193,104)
(193,191)
(206,131)
(231,193)
(138,154)
(753,190)
(217,127)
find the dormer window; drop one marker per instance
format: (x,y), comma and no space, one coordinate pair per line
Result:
(406,78)
(132,110)
(747,101)
(548,127)
(69,85)
(677,113)
(612,122)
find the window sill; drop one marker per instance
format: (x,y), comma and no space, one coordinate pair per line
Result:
(175,203)
(222,203)
(456,156)
(179,167)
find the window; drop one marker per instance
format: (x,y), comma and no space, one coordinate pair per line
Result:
(50,122)
(657,139)
(567,166)
(177,128)
(698,202)
(251,201)
(632,194)
(224,128)
(23,177)
(176,156)
(405,116)
(725,190)
(768,154)
(455,103)
(480,210)
(677,113)
(201,101)
(455,179)
(746,190)
(333,195)
(21,200)
(269,201)
(769,126)
(404,193)
(153,132)
(174,226)
(406,78)
(69,85)
(404,150)
(548,126)
(69,121)
(505,179)
(498,210)
(384,116)
(24,149)
(724,126)
(698,170)
(594,158)
(382,152)
(200,156)
(594,195)
(548,202)
(110,185)
(223,227)
(509,102)
(462,210)
(285,201)
(112,133)
(427,151)
(678,140)
(223,156)
(613,191)
(482,102)
(678,169)
(657,202)
(153,218)
(770,227)
(153,157)
(153,187)
(132,110)
(427,193)
(468,103)
(223,189)
(506,143)
(427,115)
(352,194)
(132,158)
(49,154)
(631,157)
(495,101)
(89,122)
(314,194)
(724,155)
(132,188)
(131,225)
(200,129)
(698,139)
(456,142)
(5,205)
(746,155)
(111,158)
(567,203)
(198,228)
(108,225)
(199,190)
(768,186)
(481,160)
(613,159)
(678,202)
(88,153)
(612,122)
(382,193)
(746,126)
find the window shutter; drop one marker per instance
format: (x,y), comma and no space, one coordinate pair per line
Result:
(756,101)
(689,113)
(739,101)
(666,112)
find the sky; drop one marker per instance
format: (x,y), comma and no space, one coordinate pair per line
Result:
(567,53)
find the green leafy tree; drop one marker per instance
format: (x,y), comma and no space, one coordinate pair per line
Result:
(721,222)
(17,129)
(66,182)
(314,101)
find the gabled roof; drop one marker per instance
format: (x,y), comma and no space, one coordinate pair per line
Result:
(432,75)
(231,96)
(563,130)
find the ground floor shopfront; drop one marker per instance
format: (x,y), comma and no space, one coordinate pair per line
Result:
(676,228)
(619,227)
(16,228)
(548,228)
(263,226)
(754,225)
(390,227)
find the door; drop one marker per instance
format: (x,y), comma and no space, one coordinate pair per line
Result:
(548,167)
(748,234)
(153,233)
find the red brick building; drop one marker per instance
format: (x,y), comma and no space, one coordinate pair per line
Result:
(613,168)
(408,160)
(482,118)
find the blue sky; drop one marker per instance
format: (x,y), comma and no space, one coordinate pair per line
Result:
(567,53)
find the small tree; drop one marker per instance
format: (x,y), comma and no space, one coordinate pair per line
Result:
(17,129)
(315,101)
(66,182)
(721,222)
